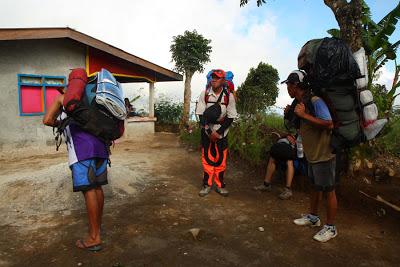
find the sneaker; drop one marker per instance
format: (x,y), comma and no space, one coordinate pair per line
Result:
(326,233)
(286,194)
(308,219)
(263,188)
(222,191)
(205,190)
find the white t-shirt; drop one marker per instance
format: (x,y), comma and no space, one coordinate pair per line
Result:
(228,111)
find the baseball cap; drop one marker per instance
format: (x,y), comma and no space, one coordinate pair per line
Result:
(296,76)
(219,73)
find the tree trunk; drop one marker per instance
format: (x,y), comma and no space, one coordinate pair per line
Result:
(348,16)
(186,99)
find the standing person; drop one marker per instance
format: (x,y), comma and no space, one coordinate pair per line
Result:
(282,152)
(88,158)
(315,128)
(216,109)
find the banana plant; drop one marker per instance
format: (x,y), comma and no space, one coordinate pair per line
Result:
(378,48)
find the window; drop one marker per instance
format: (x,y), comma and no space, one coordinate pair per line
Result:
(37,93)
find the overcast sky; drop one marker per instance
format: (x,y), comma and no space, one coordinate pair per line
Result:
(241,37)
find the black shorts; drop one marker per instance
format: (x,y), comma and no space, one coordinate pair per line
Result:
(282,152)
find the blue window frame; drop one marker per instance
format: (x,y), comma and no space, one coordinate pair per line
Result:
(37,92)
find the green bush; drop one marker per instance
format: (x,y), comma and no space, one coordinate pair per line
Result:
(251,139)
(192,135)
(389,141)
(167,111)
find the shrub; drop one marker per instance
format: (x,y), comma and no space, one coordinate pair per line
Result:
(252,139)
(167,111)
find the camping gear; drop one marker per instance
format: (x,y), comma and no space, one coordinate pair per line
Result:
(336,73)
(89,115)
(371,126)
(332,74)
(212,113)
(77,80)
(109,94)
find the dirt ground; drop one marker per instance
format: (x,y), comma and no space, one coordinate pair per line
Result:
(151,204)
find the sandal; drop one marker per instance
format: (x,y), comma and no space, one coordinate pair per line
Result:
(94,248)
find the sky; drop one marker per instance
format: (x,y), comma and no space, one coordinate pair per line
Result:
(240,37)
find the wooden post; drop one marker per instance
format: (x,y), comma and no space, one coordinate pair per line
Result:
(151,100)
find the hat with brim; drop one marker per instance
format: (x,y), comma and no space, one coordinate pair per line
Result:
(295,77)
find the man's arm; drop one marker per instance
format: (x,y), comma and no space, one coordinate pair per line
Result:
(52,113)
(300,111)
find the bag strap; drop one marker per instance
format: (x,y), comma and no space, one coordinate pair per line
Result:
(224,93)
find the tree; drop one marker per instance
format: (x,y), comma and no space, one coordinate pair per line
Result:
(190,52)
(358,30)
(375,37)
(259,91)
(348,16)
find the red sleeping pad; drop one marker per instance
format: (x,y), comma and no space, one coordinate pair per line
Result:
(77,81)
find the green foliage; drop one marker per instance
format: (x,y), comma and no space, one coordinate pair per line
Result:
(259,91)
(375,37)
(389,142)
(252,139)
(168,111)
(191,136)
(190,52)
(259,2)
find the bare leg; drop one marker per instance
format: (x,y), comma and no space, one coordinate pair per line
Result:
(314,205)
(270,170)
(92,208)
(332,207)
(289,173)
(100,203)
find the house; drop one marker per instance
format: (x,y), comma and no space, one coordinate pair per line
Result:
(34,62)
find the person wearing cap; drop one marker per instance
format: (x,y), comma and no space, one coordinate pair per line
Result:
(316,126)
(216,109)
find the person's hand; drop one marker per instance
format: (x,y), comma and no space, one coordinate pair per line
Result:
(300,110)
(291,139)
(214,136)
(286,110)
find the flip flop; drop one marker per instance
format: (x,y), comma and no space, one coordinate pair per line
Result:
(93,248)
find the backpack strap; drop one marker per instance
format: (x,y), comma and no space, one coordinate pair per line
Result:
(224,93)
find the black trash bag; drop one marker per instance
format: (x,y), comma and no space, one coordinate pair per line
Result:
(334,65)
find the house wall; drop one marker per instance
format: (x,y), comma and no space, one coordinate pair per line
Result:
(43,57)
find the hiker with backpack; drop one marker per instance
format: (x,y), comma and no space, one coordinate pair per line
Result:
(89,116)
(216,109)
(316,126)
(282,154)
(87,157)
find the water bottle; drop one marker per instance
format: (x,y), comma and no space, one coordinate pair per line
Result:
(299,145)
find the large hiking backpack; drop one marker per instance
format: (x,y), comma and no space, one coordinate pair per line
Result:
(87,113)
(332,74)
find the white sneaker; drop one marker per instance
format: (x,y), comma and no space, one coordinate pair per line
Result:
(308,219)
(326,233)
